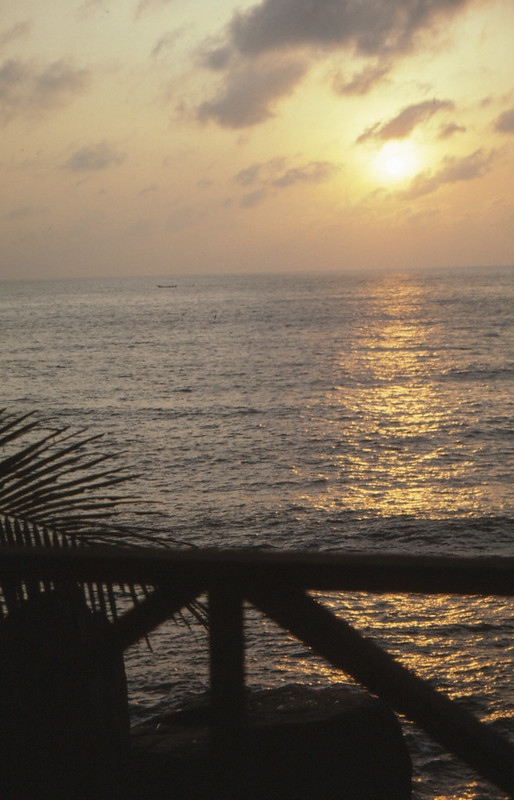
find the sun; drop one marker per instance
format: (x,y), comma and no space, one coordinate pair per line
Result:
(396,160)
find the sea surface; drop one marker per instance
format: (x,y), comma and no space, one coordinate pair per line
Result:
(334,412)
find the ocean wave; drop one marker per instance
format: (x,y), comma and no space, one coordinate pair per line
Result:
(478,372)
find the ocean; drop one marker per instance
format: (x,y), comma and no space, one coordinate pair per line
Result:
(335,412)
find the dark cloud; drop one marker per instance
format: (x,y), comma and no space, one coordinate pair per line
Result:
(454,170)
(250,92)
(372,27)
(378,29)
(361,82)
(450,130)
(505,122)
(26,90)
(404,123)
(91,159)
(216,58)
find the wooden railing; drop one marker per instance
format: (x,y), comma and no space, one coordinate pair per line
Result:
(277,583)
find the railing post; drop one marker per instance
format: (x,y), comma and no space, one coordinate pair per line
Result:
(228,712)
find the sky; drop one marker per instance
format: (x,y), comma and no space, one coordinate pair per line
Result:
(163,137)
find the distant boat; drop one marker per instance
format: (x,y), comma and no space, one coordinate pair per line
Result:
(166,285)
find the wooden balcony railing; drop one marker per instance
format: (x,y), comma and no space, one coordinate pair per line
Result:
(277,583)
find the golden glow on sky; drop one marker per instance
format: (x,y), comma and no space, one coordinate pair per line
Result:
(166,137)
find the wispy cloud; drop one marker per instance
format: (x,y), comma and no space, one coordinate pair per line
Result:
(252,199)
(264,172)
(450,130)
(94,158)
(166,42)
(17,31)
(314,172)
(250,91)
(400,126)
(277,174)
(26,89)
(248,176)
(453,170)
(361,82)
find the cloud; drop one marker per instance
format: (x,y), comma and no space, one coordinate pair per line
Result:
(15,32)
(505,122)
(27,90)
(250,92)
(252,48)
(265,172)
(91,159)
(276,173)
(253,198)
(166,42)
(404,123)
(314,172)
(216,58)
(372,27)
(268,176)
(454,170)
(249,175)
(450,130)
(361,82)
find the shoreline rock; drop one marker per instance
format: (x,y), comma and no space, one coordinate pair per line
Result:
(334,743)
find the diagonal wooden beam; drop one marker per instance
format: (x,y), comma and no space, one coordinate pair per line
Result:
(164,602)
(344,647)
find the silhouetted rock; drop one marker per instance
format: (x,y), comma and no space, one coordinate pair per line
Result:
(327,744)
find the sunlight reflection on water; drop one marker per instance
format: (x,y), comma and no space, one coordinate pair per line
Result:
(321,412)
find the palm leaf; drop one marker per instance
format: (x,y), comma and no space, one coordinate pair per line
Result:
(55,491)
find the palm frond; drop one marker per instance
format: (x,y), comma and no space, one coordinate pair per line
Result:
(56,490)
(48,473)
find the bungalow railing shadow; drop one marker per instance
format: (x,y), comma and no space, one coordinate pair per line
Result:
(277,583)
